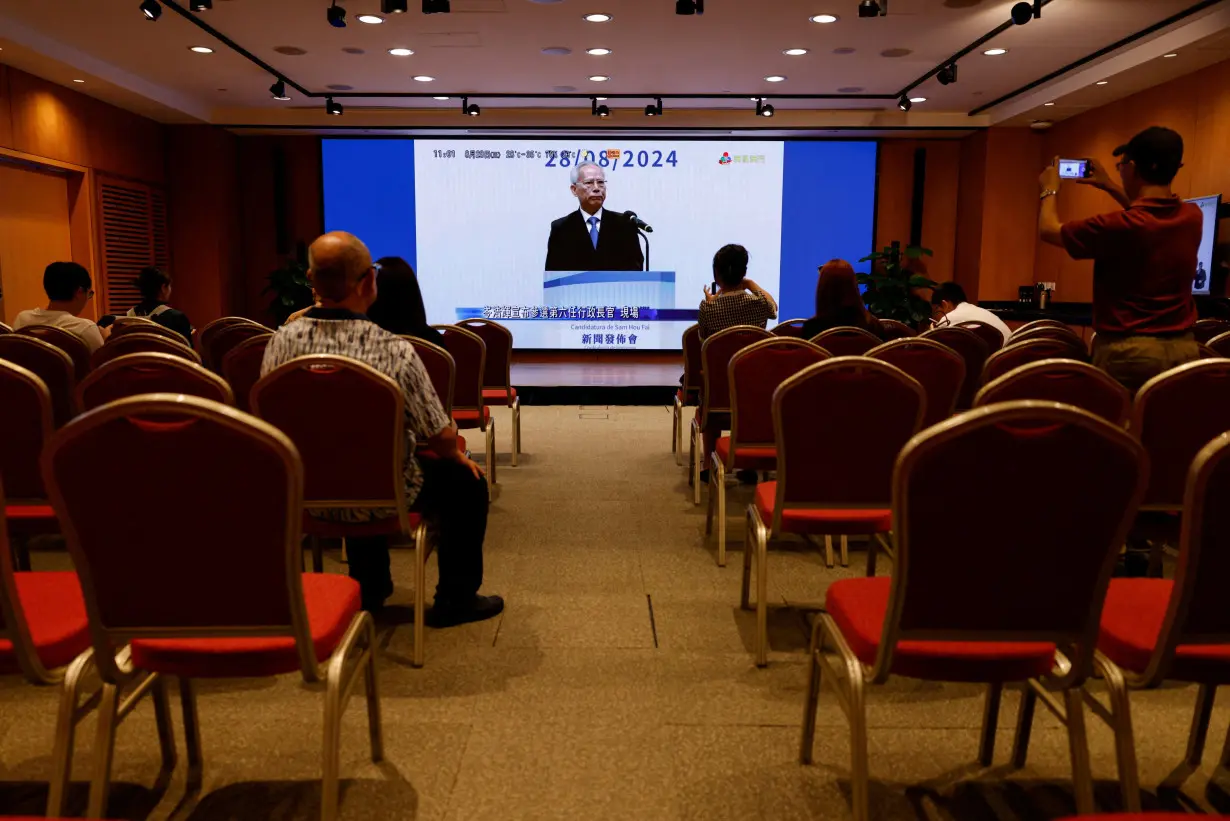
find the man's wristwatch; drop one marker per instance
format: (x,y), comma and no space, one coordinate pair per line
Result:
(1048,192)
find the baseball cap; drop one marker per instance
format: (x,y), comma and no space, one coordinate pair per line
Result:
(1155,151)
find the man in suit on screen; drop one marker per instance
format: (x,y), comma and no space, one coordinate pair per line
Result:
(592,238)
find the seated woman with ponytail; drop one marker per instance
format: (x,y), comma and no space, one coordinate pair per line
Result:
(155,287)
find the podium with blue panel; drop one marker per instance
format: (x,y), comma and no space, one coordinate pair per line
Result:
(654,289)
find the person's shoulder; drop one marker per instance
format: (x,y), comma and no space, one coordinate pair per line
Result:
(559,222)
(30,316)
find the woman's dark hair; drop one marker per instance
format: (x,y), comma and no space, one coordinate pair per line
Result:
(730,265)
(399,302)
(838,300)
(150,282)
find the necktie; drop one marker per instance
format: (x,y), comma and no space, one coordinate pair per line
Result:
(593,231)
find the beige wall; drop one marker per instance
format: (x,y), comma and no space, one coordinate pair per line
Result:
(34,231)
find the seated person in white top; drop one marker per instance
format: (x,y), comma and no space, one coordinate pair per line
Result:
(69,289)
(948,300)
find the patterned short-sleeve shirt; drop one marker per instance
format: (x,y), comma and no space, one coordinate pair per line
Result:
(345,333)
(735,308)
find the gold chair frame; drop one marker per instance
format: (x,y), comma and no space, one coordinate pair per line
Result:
(513,402)
(485,424)
(987,393)
(136,360)
(423,344)
(677,405)
(160,344)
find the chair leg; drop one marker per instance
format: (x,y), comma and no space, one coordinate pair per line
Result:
(709,508)
(691,451)
(490,432)
(718,486)
(873,547)
(746,583)
(375,725)
(1078,747)
(516,431)
(1200,724)
(697,458)
(676,423)
(66,728)
(1121,725)
(104,751)
(829,561)
(331,751)
(815,680)
(162,718)
(20,546)
(318,554)
(1024,725)
(420,593)
(845,551)
(859,775)
(990,723)
(762,598)
(192,731)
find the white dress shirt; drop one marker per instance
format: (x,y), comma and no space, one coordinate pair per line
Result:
(585,218)
(969,312)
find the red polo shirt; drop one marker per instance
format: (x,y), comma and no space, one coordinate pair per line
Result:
(1144,262)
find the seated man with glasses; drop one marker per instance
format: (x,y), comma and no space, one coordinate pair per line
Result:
(592,238)
(69,290)
(450,489)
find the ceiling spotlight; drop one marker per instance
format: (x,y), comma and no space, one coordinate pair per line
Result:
(1171,54)
(655,108)
(823,18)
(598,78)
(763,109)
(435,7)
(336,15)
(333,108)
(689,6)
(947,75)
(904,104)
(151,9)
(775,78)
(1101,82)
(424,78)
(1022,13)
(441,98)
(795,52)
(918,99)
(401,52)
(201,5)
(598,52)
(1048,104)
(201,49)
(873,8)
(394,6)
(470,109)
(597,18)
(370,19)
(278,90)
(995,52)
(598,110)
(78,81)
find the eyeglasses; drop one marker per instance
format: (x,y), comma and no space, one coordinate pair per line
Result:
(593,184)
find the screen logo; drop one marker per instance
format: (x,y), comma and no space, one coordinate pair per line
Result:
(725,158)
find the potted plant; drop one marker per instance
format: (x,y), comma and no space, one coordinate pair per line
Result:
(891,289)
(290,288)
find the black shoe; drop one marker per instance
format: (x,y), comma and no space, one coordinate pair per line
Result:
(449,614)
(747,477)
(704,477)
(373,600)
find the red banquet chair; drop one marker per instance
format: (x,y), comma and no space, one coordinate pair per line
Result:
(1039,323)
(715,354)
(178,616)
(938,368)
(1021,353)
(1207,329)
(71,344)
(223,340)
(689,389)
(1001,623)
(753,374)
(895,329)
(470,411)
(44,632)
(206,335)
(241,367)
(497,372)
(138,373)
(846,341)
(987,332)
(1156,630)
(363,470)
(49,364)
(830,480)
(788,328)
(147,326)
(141,343)
(972,349)
(440,367)
(1062,380)
(1064,334)
(1220,344)
(26,422)
(5,329)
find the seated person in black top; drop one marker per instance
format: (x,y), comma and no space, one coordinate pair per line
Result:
(155,287)
(839,304)
(399,302)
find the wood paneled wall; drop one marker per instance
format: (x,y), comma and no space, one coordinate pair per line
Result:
(895,190)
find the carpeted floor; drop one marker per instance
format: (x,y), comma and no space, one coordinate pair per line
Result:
(617,685)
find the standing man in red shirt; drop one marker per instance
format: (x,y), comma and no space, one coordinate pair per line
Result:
(1144,258)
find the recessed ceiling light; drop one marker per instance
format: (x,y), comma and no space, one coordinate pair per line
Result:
(78,81)
(441,98)
(795,52)
(918,99)
(598,18)
(598,52)
(1171,54)
(774,78)
(423,78)
(995,52)
(599,78)
(823,18)
(202,49)
(600,99)
(401,52)
(1101,82)
(371,19)
(1048,104)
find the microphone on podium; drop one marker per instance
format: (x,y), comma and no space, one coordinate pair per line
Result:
(638,222)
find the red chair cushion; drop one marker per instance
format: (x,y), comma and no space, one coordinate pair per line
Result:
(832,522)
(1132,620)
(858,606)
(470,418)
(332,602)
(328,529)
(18,512)
(499,395)
(747,458)
(56,617)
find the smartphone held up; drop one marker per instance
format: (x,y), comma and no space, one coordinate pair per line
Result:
(1075,169)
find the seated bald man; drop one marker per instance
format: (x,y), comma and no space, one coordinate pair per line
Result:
(450,489)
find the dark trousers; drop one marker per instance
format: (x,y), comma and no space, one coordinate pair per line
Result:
(456,502)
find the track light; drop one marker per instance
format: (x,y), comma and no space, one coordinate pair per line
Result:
(278,90)
(436,7)
(873,8)
(598,110)
(904,104)
(689,6)
(394,6)
(151,9)
(201,5)
(470,109)
(333,108)
(654,109)
(763,109)
(336,15)
(1023,12)
(947,75)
